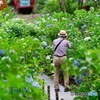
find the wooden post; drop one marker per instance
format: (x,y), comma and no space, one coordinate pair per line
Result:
(57,97)
(43,85)
(48,87)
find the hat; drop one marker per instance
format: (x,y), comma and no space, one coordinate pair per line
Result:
(62,33)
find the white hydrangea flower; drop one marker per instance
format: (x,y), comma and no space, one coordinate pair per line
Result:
(48,57)
(87,38)
(43,15)
(52,64)
(83,68)
(44,43)
(63,18)
(48,14)
(88,59)
(70,58)
(22,39)
(12,51)
(54,19)
(7,15)
(6,58)
(36,39)
(92,8)
(22,57)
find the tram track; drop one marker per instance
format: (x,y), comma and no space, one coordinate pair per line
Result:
(28,17)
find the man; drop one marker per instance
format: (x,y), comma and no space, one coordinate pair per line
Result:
(60,46)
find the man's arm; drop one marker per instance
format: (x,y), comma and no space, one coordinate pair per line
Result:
(69,44)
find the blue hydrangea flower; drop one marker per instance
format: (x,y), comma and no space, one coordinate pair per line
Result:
(93,93)
(44,44)
(83,28)
(29,79)
(77,63)
(78,80)
(85,73)
(2,53)
(35,84)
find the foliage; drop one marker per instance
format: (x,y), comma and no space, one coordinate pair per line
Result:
(18,28)
(6,14)
(8,1)
(54,6)
(51,24)
(71,6)
(93,3)
(19,61)
(17,64)
(51,6)
(39,5)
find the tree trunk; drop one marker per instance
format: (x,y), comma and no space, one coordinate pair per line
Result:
(62,5)
(80,4)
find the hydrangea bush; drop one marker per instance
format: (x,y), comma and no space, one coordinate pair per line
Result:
(19,64)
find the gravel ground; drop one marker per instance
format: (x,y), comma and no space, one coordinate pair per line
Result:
(27,17)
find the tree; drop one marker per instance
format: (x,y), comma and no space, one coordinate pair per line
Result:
(80,4)
(62,5)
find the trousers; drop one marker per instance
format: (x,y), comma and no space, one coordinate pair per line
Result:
(60,63)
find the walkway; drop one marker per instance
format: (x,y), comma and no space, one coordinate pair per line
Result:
(61,94)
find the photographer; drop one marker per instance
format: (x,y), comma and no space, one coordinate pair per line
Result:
(60,46)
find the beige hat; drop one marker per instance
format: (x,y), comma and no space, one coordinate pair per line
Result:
(62,33)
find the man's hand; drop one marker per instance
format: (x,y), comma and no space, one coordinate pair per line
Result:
(67,37)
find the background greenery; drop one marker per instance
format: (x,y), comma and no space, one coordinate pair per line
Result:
(26,51)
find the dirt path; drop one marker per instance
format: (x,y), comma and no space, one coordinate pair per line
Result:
(27,17)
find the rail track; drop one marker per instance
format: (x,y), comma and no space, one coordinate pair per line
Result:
(25,15)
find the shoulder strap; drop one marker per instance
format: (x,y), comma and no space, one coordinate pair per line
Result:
(58,44)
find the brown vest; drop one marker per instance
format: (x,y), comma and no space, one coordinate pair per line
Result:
(3,4)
